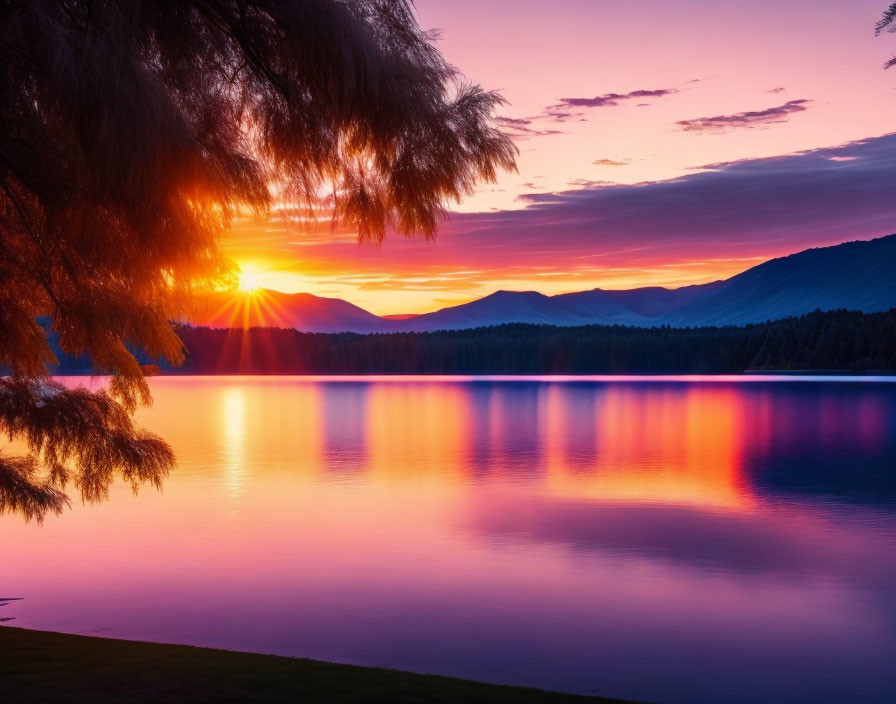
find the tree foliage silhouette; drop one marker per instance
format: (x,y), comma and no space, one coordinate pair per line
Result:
(134,131)
(887,23)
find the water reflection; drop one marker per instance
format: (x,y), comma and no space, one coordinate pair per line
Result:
(344,416)
(233,429)
(664,540)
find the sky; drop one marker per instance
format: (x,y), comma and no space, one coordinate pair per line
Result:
(662,142)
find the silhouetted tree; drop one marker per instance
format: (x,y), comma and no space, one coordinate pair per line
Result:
(133,131)
(887,23)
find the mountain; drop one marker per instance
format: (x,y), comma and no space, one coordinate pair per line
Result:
(597,307)
(516,307)
(854,276)
(859,276)
(302,311)
(652,301)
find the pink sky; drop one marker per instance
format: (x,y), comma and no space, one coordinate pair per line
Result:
(712,82)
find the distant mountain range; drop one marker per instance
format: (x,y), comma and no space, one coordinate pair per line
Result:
(859,276)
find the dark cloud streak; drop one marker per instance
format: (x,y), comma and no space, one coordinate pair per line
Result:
(520,127)
(748,119)
(613,99)
(574,109)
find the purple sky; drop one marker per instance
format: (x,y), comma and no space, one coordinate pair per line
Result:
(618,108)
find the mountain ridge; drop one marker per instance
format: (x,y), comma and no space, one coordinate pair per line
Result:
(857,275)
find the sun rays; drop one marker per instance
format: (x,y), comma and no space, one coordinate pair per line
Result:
(248,308)
(251,304)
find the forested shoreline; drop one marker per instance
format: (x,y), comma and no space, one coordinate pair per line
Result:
(821,341)
(825,341)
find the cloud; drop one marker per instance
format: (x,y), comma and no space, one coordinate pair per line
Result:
(587,183)
(705,225)
(574,109)
(610,162)
(401,284)
(780,89)
(520,127)
(613,99)
(515,122)
(748,119)
(739,208)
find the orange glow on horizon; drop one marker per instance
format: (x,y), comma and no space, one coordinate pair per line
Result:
(404,276)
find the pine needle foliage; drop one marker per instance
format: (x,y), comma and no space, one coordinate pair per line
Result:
(887,23)
(133,131)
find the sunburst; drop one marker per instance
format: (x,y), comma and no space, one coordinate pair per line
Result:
(249,282)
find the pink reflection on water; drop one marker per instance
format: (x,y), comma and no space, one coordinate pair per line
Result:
(657,541)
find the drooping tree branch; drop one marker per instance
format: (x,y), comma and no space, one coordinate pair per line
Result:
(73,435)
(23,492)
(133,132)
(887,23)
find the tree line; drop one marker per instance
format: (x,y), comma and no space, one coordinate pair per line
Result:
(828,341)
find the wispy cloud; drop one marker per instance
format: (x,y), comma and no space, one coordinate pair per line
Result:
(613,99)
(574,109)
(610,162)
(748,119)
(522,127)
(587,183)
(515,122)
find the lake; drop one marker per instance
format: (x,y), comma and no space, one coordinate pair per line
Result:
(672,540)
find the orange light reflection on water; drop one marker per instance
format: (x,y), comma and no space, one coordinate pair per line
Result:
(563,535)
(671,447)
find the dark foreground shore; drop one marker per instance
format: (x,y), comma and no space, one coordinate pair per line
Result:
(37,666)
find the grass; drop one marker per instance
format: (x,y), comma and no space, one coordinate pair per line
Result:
(37,666)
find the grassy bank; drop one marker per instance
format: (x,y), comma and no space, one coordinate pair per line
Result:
(37,666)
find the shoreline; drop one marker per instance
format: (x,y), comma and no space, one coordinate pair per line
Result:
(46,666)
(748,375)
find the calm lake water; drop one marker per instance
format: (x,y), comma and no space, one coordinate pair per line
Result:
(660,539)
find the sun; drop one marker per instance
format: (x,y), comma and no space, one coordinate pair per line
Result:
(248,281)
